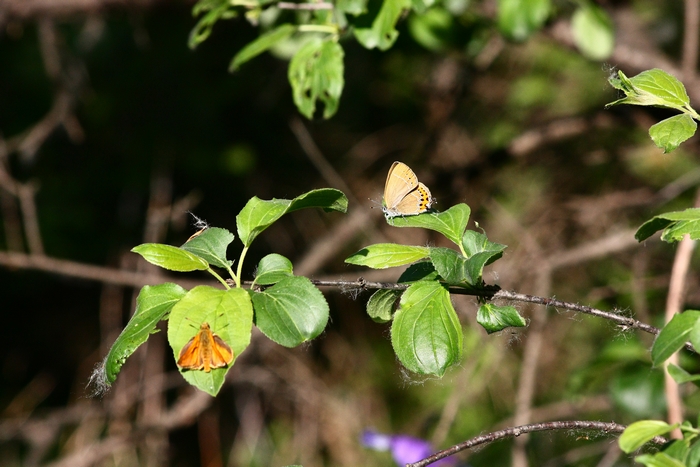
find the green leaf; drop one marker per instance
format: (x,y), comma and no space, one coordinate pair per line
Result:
(261,44)
(670,133)
(421,271)
(272,268)
(518,19)
(431,29)
(388,255)
(316,74)
(451,223)
(651,87)
(217,9)
(381,305)
(291,312)
(426,333)
(352,7)
(677,231)
(694,335)
(659,459)
(152,305)
(257,215)
(328,199)
(211,245)
(639,433)
(451,266)
(693,459)
(673,336)
(383,32)
(593,32)
(681,222)
(480,253)
(171,257)
(495,318)
(421,7)
(678,449)
(680,375)
(230,315)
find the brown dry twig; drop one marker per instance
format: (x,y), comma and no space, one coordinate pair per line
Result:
(598,427)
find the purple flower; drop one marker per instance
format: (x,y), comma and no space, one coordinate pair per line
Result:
(404,449)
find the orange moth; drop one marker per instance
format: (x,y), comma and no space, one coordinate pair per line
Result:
(205,351)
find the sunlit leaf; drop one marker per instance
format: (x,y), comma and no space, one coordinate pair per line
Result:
(257,215)
(426,333)
(170,257)
(673,336)
(518,19)
(670,133)
(593,32)
(152,305)
(316,75)
(451,223)
(495,318)
(388,255)
(639,433)
(383,33)
(291,312)
(272,268)
(230,315)
(261,44)
(211,246)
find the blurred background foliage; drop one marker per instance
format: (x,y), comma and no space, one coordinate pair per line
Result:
(516,130)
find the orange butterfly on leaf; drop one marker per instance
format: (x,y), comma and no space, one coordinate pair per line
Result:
(205,351)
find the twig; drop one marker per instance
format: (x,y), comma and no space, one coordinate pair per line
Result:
(31,9)
(25,194)
(603,427)
(90,272)
(690,38)
(674,303)
(624,322)
(135,279)
(304,6)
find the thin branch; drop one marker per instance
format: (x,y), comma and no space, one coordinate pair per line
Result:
(90,272)
(304,6)
(690,38)
(135,279)
(32,9)
(25,194)
(606,428)
(674,304)
(625,322)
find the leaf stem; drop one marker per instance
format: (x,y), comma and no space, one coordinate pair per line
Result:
(318,28)
(218,277)
(239,269)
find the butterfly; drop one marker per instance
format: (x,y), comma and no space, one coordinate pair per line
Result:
(205,351)
(404,195)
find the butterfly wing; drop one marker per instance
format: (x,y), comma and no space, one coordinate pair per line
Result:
(190,357)
(400,181)
(221,353)
(417,201)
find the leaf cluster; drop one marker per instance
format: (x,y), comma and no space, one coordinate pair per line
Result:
(425,330)
(289,309)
